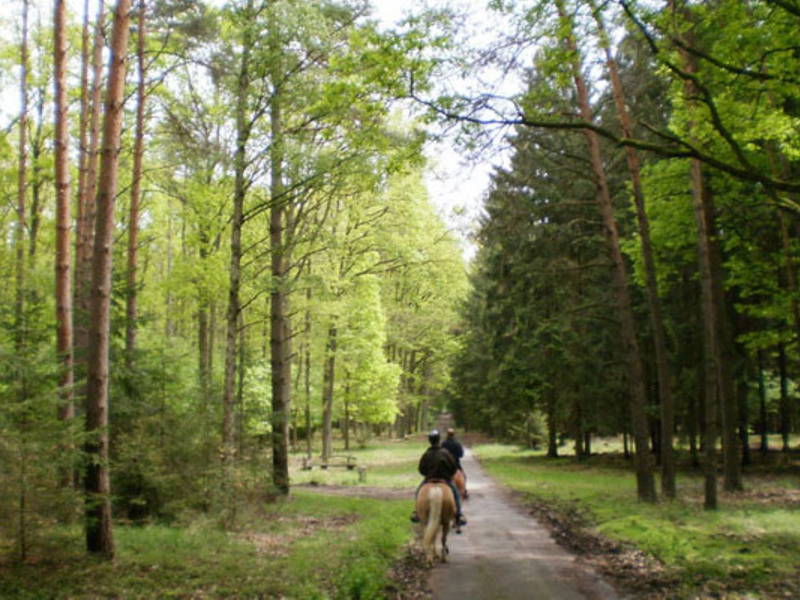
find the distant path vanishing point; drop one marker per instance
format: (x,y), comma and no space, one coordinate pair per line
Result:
(505,554)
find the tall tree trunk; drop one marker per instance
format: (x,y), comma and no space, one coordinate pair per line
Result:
(638,394)
(710,339)
(20,283)
(84,230)
(36,181)
(83,121)
(280,352)
(762,404)
(237,222)
(719,385)
(346,424)
(552,431)
(307,370)
(136,192)
(651,282)
(66,410)
(22,184)
(784,406)
(99,538)
(328,379)
(742,390)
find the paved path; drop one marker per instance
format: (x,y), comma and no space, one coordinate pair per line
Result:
(505,554)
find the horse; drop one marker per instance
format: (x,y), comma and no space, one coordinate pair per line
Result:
(460,479)
(436,508)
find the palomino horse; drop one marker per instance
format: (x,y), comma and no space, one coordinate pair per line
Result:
(436,508)
(460,479)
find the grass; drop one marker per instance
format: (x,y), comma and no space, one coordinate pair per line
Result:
(751,543)
(311,546)
(390,464)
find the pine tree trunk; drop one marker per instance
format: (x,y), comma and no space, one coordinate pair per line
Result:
(136,192)
(719,396)
(99,537)
(638,395)
(66,410)
(667,455)
(84,230)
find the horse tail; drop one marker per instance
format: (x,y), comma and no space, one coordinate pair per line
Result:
(435,499)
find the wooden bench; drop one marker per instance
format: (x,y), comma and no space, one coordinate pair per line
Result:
(336,460)
(344,461)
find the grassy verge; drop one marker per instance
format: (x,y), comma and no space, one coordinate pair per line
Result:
(310,546)
(752,544)
(391,464)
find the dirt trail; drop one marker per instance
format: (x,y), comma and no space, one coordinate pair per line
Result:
(505,554)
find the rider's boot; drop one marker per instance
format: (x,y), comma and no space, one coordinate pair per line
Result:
(460,521)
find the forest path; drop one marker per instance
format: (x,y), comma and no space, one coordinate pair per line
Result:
(505,554)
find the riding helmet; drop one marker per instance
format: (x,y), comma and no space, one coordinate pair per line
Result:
(433,437)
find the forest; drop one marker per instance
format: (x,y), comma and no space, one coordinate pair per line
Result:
(221,255)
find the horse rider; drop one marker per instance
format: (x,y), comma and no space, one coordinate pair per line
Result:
(454,447)
(438,463)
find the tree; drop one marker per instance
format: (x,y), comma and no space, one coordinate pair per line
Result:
(136,187)
(638,395)
(651,283)
(63,267)
(99,536)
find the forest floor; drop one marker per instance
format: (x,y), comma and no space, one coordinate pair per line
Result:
(503,552)
(748,524)
(338,536)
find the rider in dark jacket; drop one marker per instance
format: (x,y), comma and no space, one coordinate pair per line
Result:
(454,447)
(438,463)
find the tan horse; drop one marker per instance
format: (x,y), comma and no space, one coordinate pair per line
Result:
(460,479)
(436,508)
